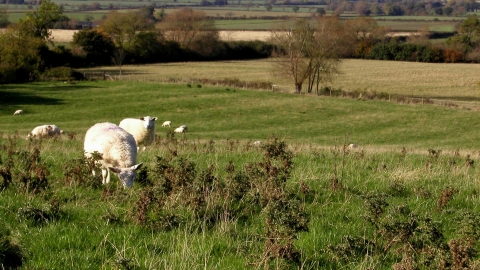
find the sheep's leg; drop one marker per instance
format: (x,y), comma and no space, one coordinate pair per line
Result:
(105,176)
(144,147)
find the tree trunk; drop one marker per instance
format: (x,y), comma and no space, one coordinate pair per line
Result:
(298,88)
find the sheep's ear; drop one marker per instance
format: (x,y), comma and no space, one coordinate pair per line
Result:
(142,118)
(114,170)
(136,167)
(154,118)
(49,127)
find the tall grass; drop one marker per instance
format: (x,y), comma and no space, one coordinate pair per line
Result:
(407,197)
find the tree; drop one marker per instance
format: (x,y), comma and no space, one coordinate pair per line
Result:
(467,34)
(20,57)
(95,46)
(37,23)
(187,27)
(4,17)
(295,9)
(308,51)
(122,27)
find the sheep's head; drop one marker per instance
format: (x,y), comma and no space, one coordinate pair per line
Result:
(148,122)
(126,175)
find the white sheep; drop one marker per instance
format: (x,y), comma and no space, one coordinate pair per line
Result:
(18,112)
(45,131)
(181,129)
(167,124)
(352,146)
(257,143)
(142,129)
(118,149)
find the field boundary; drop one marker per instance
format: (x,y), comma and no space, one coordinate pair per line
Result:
(268,86)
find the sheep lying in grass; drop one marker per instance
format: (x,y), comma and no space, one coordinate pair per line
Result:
(181,129)
(142,129)
(352,146)
(167,124)
(118,149)
(18,112)
(257,143)
(45,131)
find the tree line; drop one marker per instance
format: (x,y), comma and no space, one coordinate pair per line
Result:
(308,50)
(27,48)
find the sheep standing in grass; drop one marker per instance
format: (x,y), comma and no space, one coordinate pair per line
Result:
(18,112)
(118,149)
(167,124)
(45,131)
(142,129)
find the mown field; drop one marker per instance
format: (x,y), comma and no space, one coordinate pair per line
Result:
(407,197)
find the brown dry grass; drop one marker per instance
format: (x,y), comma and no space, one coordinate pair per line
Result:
(451,81)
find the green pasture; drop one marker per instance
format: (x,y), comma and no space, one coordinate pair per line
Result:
(96,227)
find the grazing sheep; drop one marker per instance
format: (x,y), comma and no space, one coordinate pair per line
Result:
(142,129)
(167,124)
(45,131)
(18,112)
(118,149)
(352,146)
(181,129)
(184,127)
(257,143)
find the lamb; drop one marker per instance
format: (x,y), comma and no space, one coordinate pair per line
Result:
(142,129)
(181,129)
(18,112)
(167,124)
(118,149)
(45,131)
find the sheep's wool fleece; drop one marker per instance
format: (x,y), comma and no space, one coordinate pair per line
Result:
(142,135)
(117,146)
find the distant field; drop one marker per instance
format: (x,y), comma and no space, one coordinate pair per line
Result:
(444,81)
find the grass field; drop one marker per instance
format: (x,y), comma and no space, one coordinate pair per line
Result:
(355,202)
(440,81)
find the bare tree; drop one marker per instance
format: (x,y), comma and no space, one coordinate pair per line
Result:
(187,26)
(309,50)
(118,57)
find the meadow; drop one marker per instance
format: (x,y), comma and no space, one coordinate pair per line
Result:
(209,199)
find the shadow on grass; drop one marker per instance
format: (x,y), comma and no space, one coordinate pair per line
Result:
(14,95)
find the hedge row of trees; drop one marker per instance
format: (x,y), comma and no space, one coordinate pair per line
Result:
(121,38)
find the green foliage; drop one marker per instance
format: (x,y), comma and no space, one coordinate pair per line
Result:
(94,46)
(20,58)
(406,52)
(37,23)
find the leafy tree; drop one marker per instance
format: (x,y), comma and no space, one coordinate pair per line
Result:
(467,34)
(37,23)
(122,27)
(95,46)
(188,27)
(20,55)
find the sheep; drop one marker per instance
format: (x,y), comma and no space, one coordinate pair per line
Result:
(352,146)
(18,112)
(257,143)
(118,149)
(167,124)
(181,129)
(45,131)
(142,129)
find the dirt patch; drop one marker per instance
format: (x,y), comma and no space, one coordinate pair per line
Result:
(67,35)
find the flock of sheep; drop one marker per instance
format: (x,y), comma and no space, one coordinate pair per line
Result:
(118,145)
